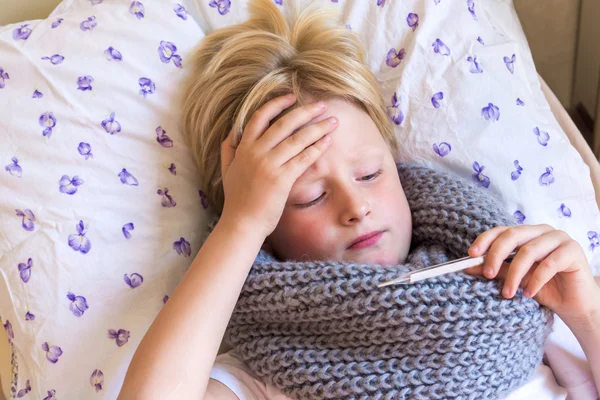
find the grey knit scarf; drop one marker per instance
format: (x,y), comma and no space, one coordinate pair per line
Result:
(323,330)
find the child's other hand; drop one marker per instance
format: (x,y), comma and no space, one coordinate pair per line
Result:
(549,265)
(259,173)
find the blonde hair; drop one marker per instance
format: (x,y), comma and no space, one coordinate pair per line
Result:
(239,68)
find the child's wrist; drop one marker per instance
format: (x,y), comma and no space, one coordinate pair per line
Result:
(587,319)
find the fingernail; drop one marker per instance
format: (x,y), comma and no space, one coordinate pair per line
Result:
(489,271)
(327,138)
(474,249)
(333,120)
(506,291)
(527,293)
(290,96)
(320,105)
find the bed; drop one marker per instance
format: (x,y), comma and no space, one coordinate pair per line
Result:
(559,113)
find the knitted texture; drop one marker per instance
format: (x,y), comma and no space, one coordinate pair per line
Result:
(323,330)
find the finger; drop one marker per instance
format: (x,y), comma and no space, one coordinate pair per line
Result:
(507,242)
(227,153)
(260,120)
(562,259)
(485,240)
(297,165)
(287,125)
(296,143)
(534,250)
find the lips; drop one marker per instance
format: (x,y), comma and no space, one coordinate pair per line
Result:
(366,240)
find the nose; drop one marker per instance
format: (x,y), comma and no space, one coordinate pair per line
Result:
(355,207)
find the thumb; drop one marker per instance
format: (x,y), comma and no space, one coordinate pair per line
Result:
(227,153)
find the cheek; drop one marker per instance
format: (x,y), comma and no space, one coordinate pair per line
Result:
(305,232)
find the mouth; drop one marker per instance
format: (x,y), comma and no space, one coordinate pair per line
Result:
(365,241)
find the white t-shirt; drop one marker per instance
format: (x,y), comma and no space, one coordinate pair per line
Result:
(232,372)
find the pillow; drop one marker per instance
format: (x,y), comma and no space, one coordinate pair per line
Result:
(461,87)
(102,210)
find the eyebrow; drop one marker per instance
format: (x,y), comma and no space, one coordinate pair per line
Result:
(371,154)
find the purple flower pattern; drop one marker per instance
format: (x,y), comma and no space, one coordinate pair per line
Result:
(510,63)
(96,2)
(146,86)
(380,3)
(126,229)
(37,94)
(47,121)
(134,280)
(542,137)
(25,390)
(517,173)
(14,168)
(394,111)
(413,21)
(25,270)
(547,179)
(440,47)
(22,32)
(203,199)
(28,219)
(78,304)
(57,23)
(127,178)
(55,59)
(471,8)
(491,112)
(29,316)
(97,380)
(594,240)
(173,169)
(9,330)
(110,125)
(520,102)
(52,352)
(89,24)
(84,83)
(137,9)
(51,394)
(113,54)
(394,57)
(519,217)
(121,336)
(564,211)
(180,11)
(79,242)
(480,40)
(436,98)
(3,78)
(474,67)
(167,52)
(221,5)
(85,150)
(443,149)
(182,247)
(162,138)
(69,186)
(479,177)
(167,200)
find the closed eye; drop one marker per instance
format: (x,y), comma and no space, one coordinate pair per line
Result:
(366,178)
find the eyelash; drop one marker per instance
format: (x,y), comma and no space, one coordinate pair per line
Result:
(315,201)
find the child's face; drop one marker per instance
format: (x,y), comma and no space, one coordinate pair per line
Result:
(358,190)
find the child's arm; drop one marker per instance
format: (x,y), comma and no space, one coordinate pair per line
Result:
(176,355)
(551,267)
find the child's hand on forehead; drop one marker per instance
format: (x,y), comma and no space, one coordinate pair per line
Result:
(549,265)
(259,174)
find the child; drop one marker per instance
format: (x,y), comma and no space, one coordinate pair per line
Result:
(291,132)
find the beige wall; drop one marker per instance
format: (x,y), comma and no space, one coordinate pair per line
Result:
(587,67)
(551,30)
(21,10)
